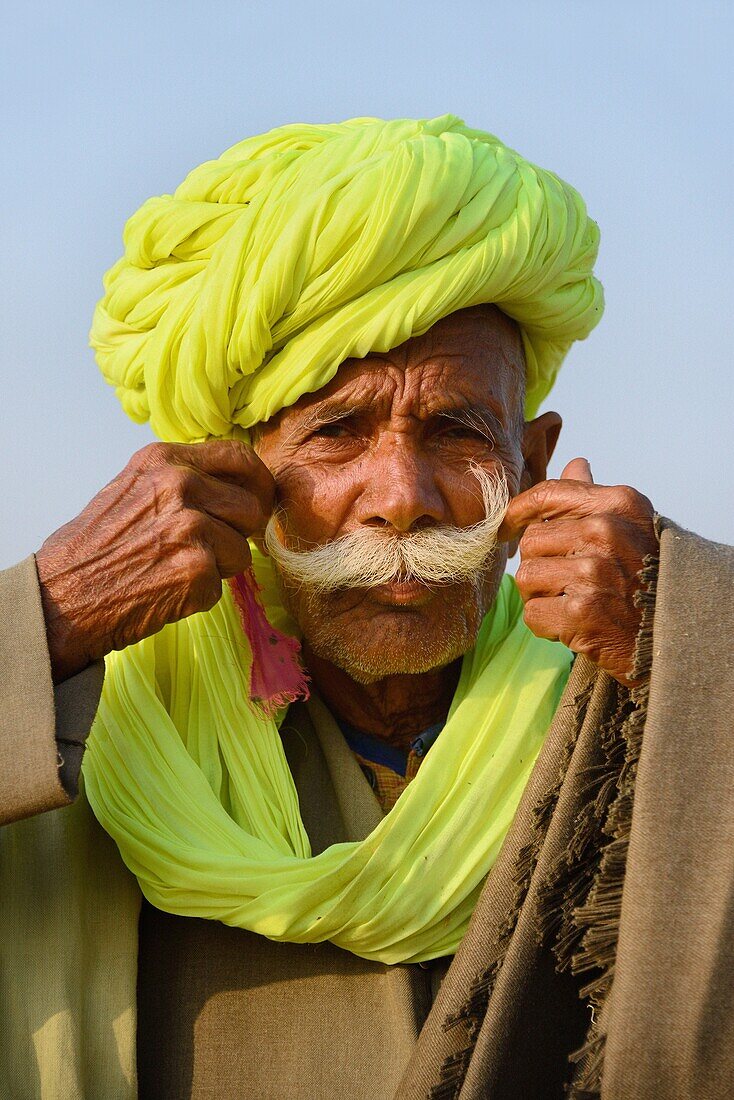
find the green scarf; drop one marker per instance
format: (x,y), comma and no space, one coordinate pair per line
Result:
(245,289)
(194,787)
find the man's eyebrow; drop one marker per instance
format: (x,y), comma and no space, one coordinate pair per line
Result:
(478,417)
(326,413)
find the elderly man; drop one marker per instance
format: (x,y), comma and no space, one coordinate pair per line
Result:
(460,863)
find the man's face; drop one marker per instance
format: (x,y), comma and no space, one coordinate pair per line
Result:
(389,444)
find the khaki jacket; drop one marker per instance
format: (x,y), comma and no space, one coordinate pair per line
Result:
(223,1013)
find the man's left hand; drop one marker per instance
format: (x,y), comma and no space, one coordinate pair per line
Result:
(582,547)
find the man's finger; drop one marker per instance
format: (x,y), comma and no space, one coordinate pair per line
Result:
(553,576)
(245,510)
(557,538)
(231,551)
(545,617)
(551,500)
(225,458)
(578,469)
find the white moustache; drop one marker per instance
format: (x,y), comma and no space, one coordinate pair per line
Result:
(368,557)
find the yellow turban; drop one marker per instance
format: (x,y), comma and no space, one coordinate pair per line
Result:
(305,246)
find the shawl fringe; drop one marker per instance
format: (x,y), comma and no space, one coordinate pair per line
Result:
(474,1009)
(580,902)
(591,905)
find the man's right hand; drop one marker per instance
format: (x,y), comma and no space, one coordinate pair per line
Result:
(151,548)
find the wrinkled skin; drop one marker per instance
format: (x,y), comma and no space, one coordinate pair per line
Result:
(395,457)
(151,548)
(387,444)
(582,548)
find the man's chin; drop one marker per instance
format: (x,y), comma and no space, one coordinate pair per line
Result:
(400,644)
(398,629)
(365,669)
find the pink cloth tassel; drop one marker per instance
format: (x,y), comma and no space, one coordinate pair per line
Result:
(276,676)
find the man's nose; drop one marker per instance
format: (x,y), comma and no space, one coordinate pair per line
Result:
(400,490)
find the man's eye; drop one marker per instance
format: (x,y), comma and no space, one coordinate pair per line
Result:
(330,431)
(463,431)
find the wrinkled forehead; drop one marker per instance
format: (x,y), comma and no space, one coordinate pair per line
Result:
(471,359)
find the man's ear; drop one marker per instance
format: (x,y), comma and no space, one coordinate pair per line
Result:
(539,442)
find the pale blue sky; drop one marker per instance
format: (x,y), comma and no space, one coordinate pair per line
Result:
(103,105)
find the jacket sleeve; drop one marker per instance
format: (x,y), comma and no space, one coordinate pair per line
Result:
(42,728)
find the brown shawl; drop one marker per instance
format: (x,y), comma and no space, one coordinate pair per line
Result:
(600,958)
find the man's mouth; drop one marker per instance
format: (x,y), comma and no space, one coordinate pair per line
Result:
(402,593)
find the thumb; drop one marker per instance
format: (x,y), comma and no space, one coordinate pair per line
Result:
(578,469)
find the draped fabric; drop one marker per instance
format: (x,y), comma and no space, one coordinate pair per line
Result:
(193,785)
(245,289)
(299,248)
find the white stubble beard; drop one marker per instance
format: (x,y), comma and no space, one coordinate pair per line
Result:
(460,562)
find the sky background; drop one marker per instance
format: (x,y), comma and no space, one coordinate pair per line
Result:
(103,105)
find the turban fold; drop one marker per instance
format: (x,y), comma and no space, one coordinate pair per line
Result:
(308,245)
